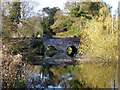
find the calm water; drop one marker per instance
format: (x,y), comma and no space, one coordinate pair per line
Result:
(102,74)
(85,75)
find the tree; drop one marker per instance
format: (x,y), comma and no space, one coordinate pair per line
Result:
(74,11)
(31,26)
(15,19)
(11,18)
(62,22)
(29,20)
(99,41)
(27,10)
(49,20)
(15,12)
(85,9)
(50,12)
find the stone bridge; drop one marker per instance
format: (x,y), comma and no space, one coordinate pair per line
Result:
(61,45)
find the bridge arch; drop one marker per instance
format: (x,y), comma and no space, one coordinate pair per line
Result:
(61,47)
(72,50)
(48,50)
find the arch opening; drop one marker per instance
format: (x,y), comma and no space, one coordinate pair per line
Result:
(51,51)
(72,51)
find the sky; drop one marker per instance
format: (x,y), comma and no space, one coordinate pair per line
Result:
(61,3)
(113,3)
(51,4)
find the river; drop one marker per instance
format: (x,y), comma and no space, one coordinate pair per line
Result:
(85,75)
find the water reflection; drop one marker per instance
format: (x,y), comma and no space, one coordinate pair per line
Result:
(85,75)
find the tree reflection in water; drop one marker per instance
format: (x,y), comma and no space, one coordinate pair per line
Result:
(85,75)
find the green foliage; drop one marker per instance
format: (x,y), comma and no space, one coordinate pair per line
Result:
(18,22)
(7,27)
(51,12)
(72,21)
(15,12)
(11,21)
(32,51)
(49,20)
(99,33)
(102,38)
(63,23)
(78,27)
(31,26)
(85,9)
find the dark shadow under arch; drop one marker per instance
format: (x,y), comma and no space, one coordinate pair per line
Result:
(50,51)
(72,51)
